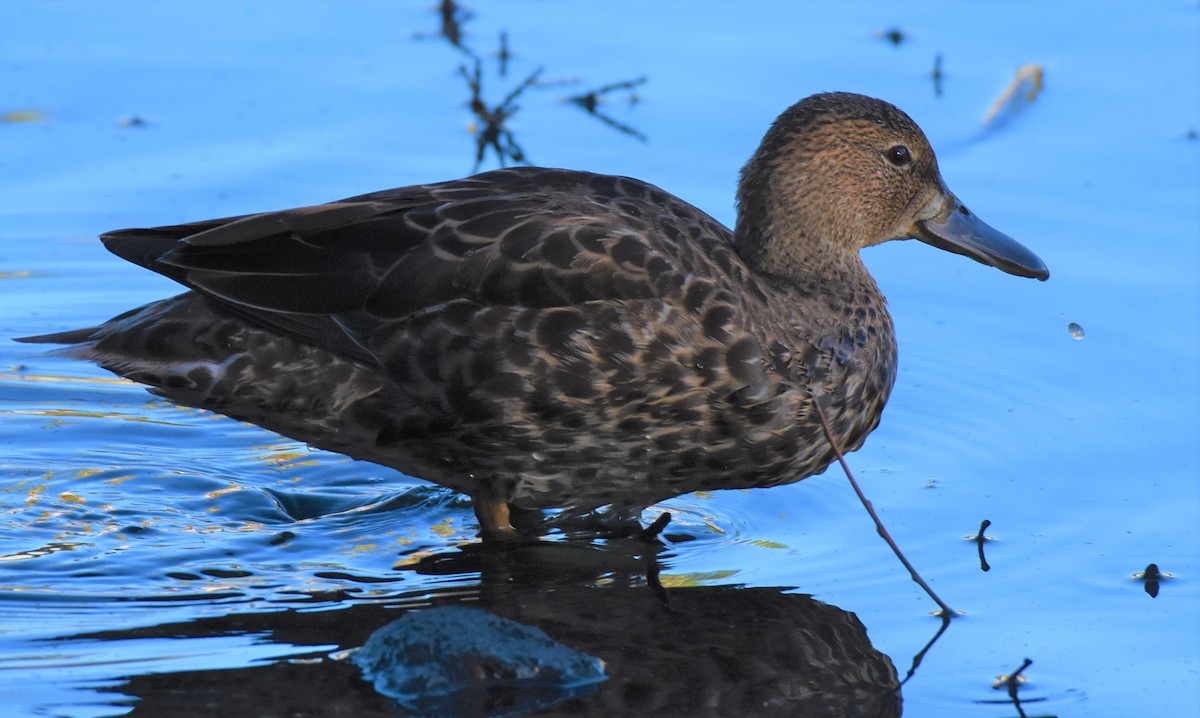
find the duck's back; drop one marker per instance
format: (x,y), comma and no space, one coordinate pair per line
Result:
(582,339)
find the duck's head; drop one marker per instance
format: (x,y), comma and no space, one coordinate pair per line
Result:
(838,172)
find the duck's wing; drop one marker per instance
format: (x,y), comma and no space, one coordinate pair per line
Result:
(334,274)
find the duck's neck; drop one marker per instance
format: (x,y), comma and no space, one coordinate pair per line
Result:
(779,247)
(807,244)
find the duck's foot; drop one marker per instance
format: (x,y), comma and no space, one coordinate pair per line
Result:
(608,524)
(496,516)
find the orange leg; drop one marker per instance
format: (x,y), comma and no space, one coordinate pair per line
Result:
(493,515)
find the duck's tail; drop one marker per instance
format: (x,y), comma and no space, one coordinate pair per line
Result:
(72,336)
(80,340)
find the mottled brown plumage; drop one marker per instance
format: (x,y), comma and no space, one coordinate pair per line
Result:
(550,338)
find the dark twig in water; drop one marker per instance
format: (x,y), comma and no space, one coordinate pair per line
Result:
(979,539)
(651,532)
(650,556)
(491,131)
(650,535)
(452,17)
(1012,683)
(591,100)
(1151,576)
(528,82)
(916,661)
(894,35)
(946,612)
(503,55)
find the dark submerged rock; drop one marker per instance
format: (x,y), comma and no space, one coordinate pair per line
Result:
(458,661)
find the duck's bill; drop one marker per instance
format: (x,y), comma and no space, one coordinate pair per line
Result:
(956,229)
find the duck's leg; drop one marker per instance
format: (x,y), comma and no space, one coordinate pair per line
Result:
(491,508)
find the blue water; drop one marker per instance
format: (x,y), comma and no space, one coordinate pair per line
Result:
(136,533)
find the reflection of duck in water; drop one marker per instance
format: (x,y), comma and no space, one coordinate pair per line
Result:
(547,338)
(718,651)
(713,651)
(697,650)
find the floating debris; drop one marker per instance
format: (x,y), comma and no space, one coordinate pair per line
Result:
(1152,578)
(491,131)
(979,540)
(503,55)
(591,100)
(133,121)
(937,75)
(1075,331)
(1012,683)
(453,17)
(458,661)
(492,135)
(1003,681)
(23,117)
(894,35)
(1021,92)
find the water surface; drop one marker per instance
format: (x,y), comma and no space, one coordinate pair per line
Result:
(156,558)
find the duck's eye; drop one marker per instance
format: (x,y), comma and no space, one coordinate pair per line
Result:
(899,156)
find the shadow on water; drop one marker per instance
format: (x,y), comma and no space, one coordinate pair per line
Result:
(713,651)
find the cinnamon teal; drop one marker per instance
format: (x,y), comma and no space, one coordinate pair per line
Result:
(546,338)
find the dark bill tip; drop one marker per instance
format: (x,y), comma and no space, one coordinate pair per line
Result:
(956,229)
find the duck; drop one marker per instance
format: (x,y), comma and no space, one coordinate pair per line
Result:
(540,338)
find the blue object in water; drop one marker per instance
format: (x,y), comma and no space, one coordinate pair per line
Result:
(460,661)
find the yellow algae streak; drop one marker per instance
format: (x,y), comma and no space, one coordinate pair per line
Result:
(687,580)
(231,488)
(66,379)
(27,116)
